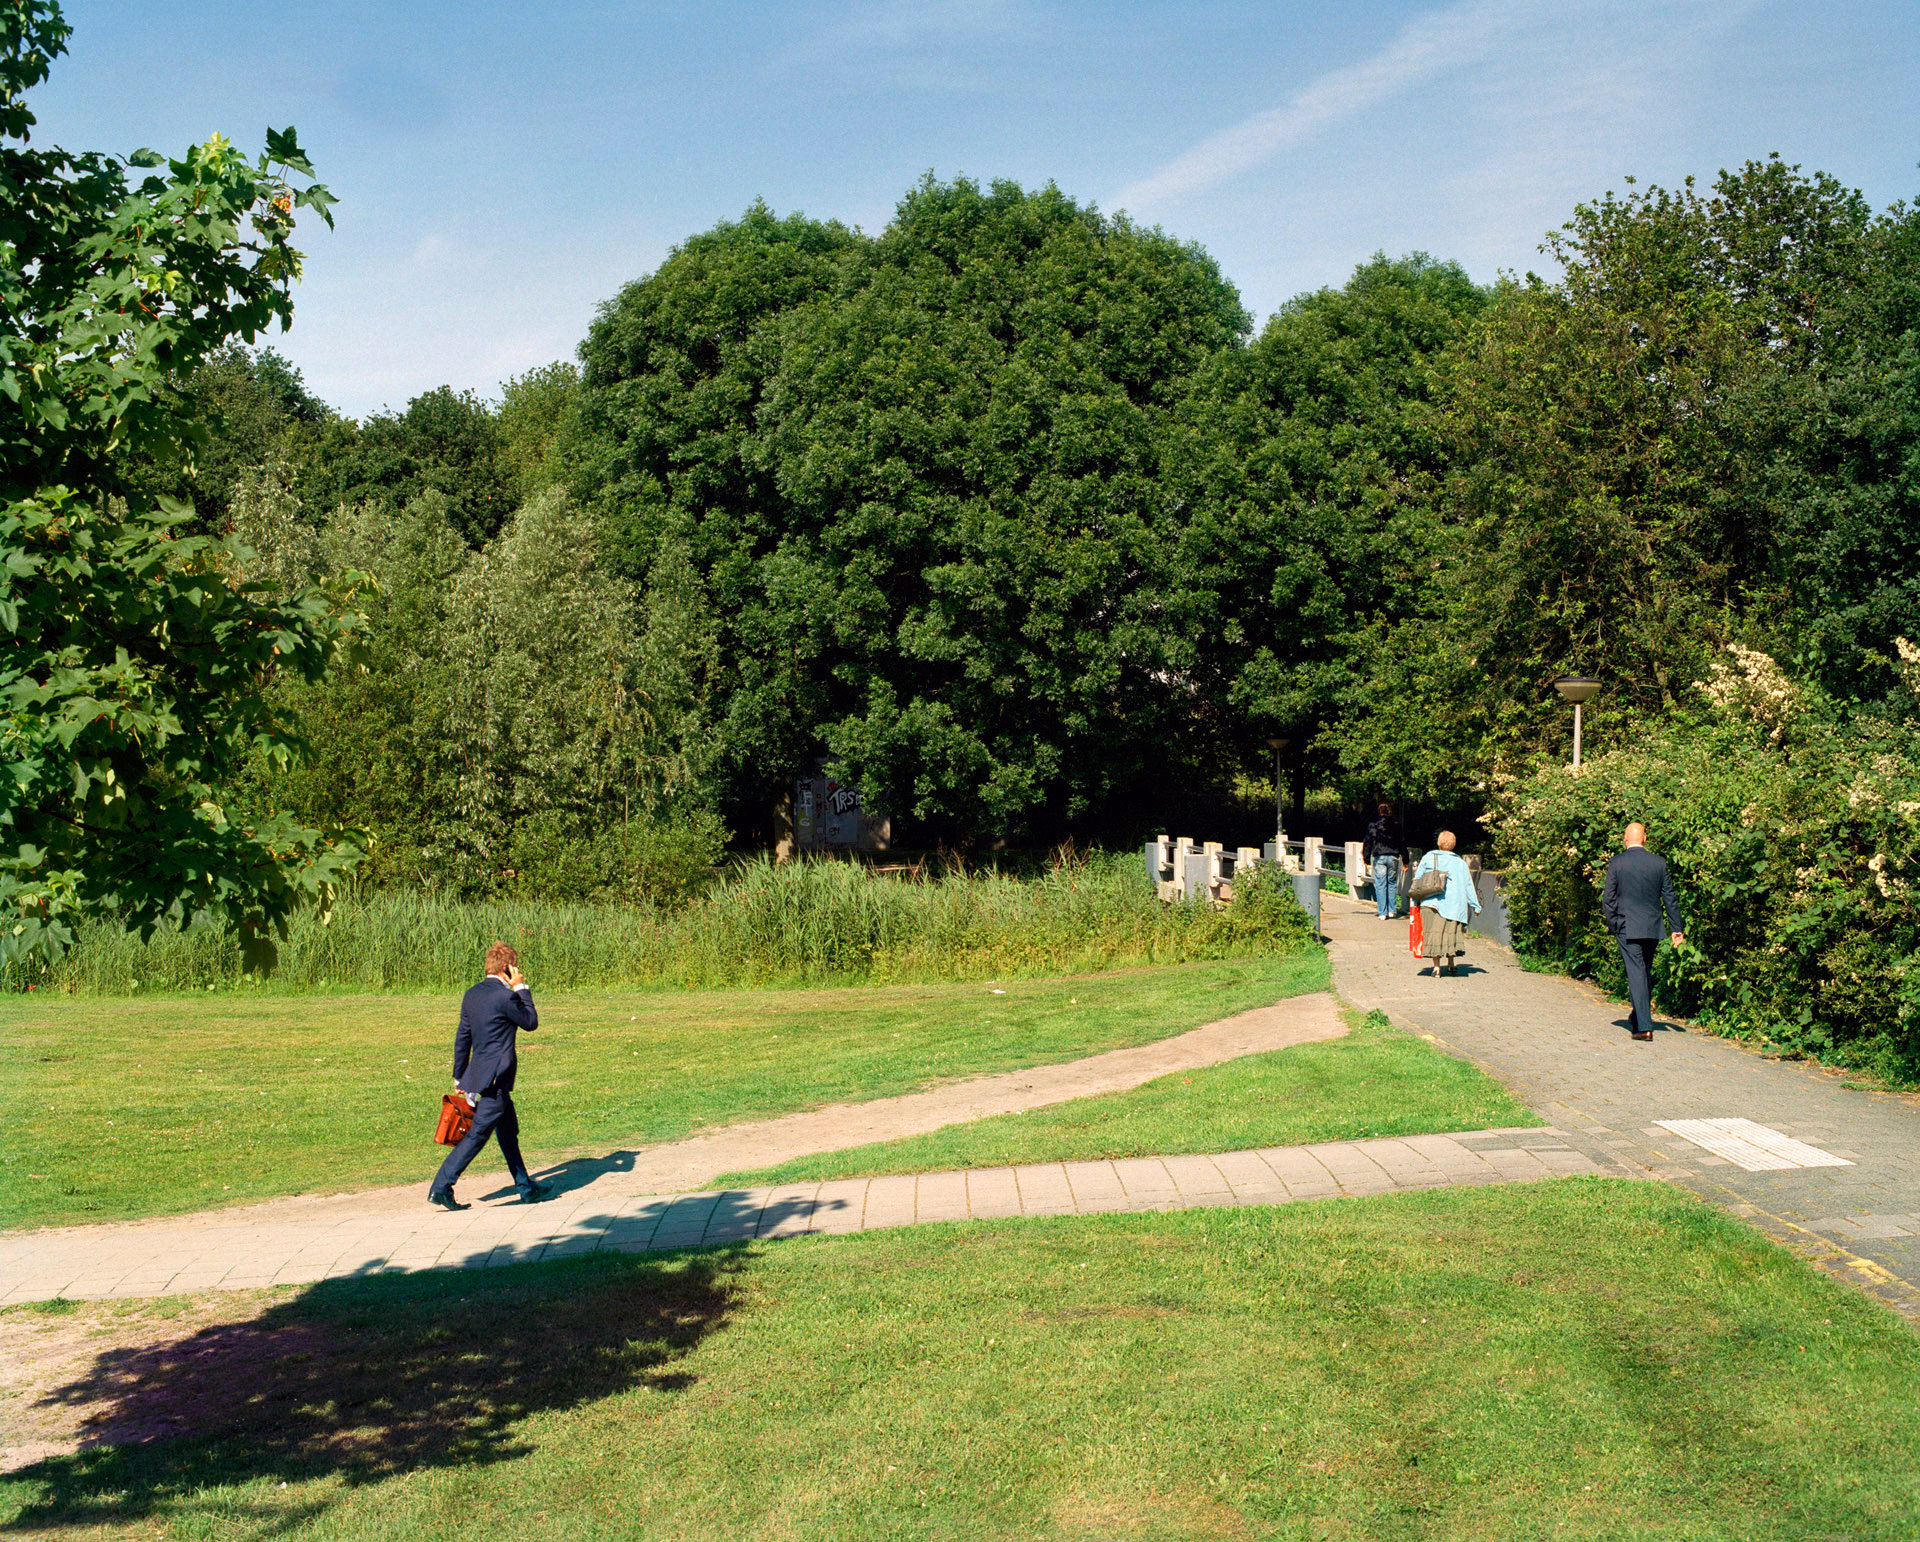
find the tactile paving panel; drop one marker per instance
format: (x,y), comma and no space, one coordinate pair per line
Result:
(1752,1146)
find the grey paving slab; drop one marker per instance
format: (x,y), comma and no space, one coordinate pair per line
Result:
(1196,1177)
(685,1222)
(890,1201)
(736,1215)
(1352,1168)
(1304,1174)
(788,1211)
(1148,1184)
(1044,1189)
(1250,1178)
(993,1193)
(940,1197)
(840,1206)
(1095,1186)
(1406,1166)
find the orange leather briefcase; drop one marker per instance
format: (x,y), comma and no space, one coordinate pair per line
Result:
(456,1118)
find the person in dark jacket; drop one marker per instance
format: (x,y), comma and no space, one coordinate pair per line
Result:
(492,1014)
(1639,896)
(1385,854)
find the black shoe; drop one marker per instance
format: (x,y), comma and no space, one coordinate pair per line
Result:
(533,1189)
(445,1200)
(1643,1033)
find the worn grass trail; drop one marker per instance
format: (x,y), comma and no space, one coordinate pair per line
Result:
(111,1110)
(1580,1358)
(1375,1081)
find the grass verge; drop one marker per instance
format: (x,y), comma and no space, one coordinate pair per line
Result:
(1376,1081)
(116,1109)
(1573,1359)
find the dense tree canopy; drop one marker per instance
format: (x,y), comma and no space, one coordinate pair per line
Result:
(1006,515)
(132,666)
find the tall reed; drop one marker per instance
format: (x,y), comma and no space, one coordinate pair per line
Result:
(809,923)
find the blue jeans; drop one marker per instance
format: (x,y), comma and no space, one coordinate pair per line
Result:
(1386,879)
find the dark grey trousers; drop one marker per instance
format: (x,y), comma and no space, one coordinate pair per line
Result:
(1636,953)
(493,1115)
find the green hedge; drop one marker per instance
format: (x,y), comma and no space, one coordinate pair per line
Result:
(1794,843)
(804,923)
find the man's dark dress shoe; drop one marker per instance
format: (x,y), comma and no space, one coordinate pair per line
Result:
(534,1189)
(445,1200)
(1647,1034)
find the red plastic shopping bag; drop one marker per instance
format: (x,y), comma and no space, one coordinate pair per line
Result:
(1413,932)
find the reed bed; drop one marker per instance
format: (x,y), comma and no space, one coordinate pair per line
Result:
(809,923)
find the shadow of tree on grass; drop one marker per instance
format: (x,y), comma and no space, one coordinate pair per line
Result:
(365,1379)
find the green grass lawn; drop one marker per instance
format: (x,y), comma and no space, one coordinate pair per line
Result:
(1584,1358)
(117,1108)
(1376,1081)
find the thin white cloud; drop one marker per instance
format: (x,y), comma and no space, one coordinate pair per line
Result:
(1429,45)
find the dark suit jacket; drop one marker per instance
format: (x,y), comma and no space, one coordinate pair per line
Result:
(492,1014)
(1639,888)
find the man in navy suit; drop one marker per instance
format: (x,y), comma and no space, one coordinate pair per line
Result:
(1639,894)
(491,1017)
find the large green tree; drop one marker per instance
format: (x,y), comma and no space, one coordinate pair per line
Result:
(133,664)
(1295,463)
(918,477)
(1605,505)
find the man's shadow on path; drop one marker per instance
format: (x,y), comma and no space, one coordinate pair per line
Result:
(575,1173)
(365,1379)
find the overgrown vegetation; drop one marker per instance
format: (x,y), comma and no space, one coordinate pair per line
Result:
(1793,830)
(810,923)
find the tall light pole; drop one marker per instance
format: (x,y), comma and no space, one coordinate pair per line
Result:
(1279,798)
(1578,689)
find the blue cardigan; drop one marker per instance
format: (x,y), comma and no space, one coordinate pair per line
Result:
(1458,900)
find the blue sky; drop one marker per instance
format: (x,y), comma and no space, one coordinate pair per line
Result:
(502,168)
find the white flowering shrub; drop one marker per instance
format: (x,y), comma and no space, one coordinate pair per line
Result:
(1793,833)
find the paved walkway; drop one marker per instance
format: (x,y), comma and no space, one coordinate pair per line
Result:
(155,1261)
(188,1252)
(1562,1047)
(1558,1045)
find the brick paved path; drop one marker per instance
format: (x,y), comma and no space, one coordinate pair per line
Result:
(162,1260)
(1562,1047)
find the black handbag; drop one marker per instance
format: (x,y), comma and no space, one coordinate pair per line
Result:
(1429,885)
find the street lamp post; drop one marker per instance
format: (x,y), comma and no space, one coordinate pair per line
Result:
(1279,799)
(1578,689)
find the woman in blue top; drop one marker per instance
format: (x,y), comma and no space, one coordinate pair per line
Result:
(1443,929)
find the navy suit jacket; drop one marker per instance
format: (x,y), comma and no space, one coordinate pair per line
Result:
(1639,888)
(492,1014)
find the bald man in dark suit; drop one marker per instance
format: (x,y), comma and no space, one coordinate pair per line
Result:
(1639,896)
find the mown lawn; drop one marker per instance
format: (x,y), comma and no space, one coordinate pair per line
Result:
(1583,1358)
(1376,1081)
(111,1109)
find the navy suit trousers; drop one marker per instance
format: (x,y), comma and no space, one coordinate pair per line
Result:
(1637,954)
(493,1115)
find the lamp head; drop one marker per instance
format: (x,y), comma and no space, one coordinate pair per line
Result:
(1576,688)
(1277,745)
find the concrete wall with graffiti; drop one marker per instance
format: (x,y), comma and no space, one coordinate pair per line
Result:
(827,816)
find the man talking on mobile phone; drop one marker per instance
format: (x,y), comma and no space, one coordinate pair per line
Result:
(492,1014)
